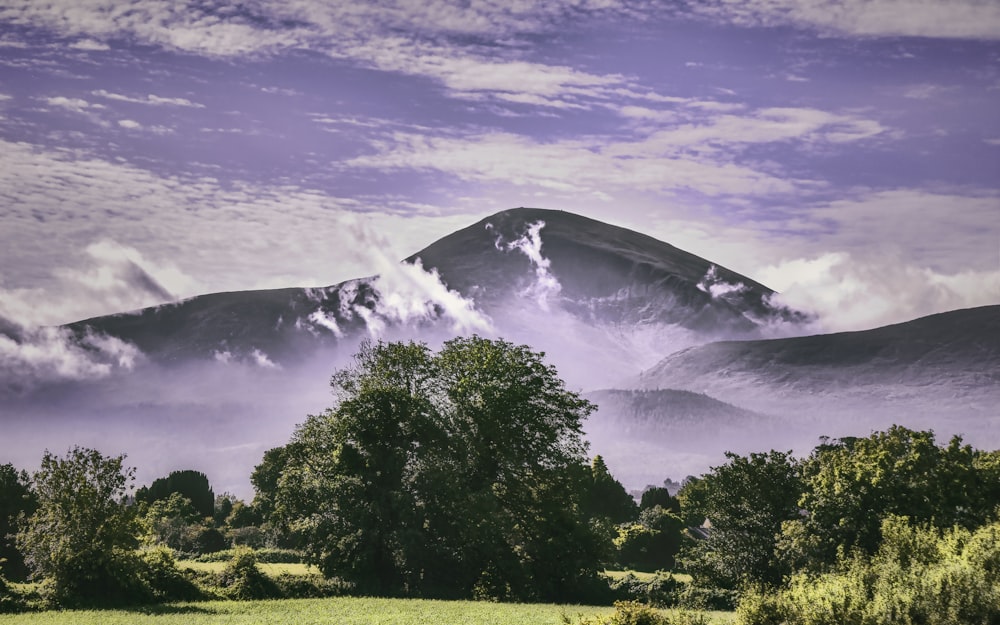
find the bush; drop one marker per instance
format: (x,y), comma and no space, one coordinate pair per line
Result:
(265,556)
(918,575)
(166,582)
(241,579)
(9,601)
(310,586)
(635,613)
(662,591)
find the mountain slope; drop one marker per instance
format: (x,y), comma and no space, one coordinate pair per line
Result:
(605,273)
(942,358)
(597,274)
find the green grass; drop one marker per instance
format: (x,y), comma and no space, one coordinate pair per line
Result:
(338,611)
(268,569)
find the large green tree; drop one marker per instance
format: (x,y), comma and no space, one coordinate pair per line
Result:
(852,484)
(82,536)
(746,501)
(16,499)
(188,483)
(452,474)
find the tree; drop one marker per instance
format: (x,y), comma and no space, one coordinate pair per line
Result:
(853,484)
(659,496)
(451,474)
(172,522)
(606,497)
(191,484)
(81,539)
(652,543)
(16,499)
(746,500)
(348,490)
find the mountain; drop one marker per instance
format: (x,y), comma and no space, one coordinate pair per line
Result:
(605,273)
(648,435)
(940,368)
(594,273)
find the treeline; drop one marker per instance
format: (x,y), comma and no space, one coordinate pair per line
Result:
(462,473)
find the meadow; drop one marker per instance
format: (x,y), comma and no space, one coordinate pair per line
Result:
(335,611)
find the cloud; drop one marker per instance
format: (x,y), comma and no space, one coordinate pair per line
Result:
(546,286)
(717,287)
(89,45)
(408,294)
(30,357)
(957,19)
(129,124)
(701,157)
(854,293)
(107,277)
(149,99)
(77,105)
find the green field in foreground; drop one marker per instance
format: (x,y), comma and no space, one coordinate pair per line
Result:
(337,611)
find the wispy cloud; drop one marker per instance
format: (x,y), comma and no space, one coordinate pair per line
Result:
(700,157)
(150,99)
(965,19)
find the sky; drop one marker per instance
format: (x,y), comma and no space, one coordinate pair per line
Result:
(844,153)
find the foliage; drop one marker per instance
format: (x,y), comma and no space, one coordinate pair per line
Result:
(241,579)
(659,496)
(449,474)
(746,500)
(605,497)
(853,484)
(692,498)
(191,484)
(271,556)
(15,499)
(636,613)
(164,581)
(81,537)
(661,591)
(919,574)
(651,543)
(170,522)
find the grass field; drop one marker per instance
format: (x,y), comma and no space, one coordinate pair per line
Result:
(338,611)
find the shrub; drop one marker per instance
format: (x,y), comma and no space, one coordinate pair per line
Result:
(9,601)
(918,575)
(310,586)
(635,613)
(662,591)
(166,582)
(241,579)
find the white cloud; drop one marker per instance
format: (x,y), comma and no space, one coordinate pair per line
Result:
(129,124)
(77,105)
(90,45)
(150,99)
(195,234)
(965,19)
(849,292)
(701,157)
(32,356)
(546,286)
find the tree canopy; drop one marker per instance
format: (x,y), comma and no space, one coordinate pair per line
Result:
(82,535)
(453,473)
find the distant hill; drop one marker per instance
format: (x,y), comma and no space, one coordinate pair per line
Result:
(939,368)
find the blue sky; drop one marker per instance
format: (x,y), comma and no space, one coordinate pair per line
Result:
(845,153)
